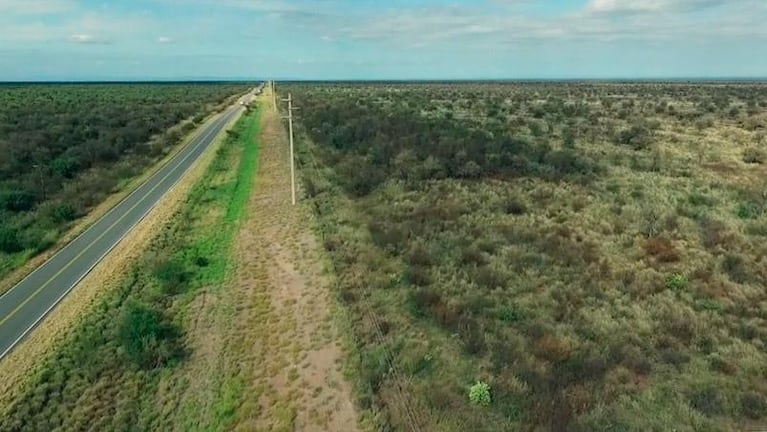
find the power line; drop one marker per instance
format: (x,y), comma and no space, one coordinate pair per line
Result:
(289,100)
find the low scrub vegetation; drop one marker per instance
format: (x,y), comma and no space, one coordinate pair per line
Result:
(107,374)
(66,147)
(571,256)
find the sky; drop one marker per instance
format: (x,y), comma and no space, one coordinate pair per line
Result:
(381,39)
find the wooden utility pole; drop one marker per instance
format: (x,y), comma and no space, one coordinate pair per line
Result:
(42,178)
(274,97)
(292,160)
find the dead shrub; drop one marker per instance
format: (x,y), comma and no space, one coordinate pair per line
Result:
(714,233)
(736,268)
(552,348)
(661,249)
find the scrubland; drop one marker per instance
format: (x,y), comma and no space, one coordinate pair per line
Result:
(593,255)
(112,370)
(66,147)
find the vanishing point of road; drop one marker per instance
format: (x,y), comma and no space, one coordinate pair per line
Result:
(28,302)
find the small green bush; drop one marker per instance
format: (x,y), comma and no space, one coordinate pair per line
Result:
(754,156)
(754,405)
(707,400)
(510,314)
(747,211)
(479,394)
(9,240)
(148,341)
(172,275)
(698,199)
(677,281)
(63,213)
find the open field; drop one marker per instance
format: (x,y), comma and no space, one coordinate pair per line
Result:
(102,375)
(565,256)
(68,147)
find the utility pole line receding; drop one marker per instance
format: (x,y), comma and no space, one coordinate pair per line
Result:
(274,97)
(292,160)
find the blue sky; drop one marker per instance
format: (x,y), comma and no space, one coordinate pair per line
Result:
(394,39)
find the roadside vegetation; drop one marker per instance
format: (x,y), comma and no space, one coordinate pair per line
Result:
(546,256)
(66,147)
(108,373)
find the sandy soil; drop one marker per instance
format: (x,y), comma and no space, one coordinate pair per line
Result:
(285,316)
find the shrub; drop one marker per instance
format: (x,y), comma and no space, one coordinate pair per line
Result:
(736,268)
(698,199)
(514,206)
(754,156)
(568,162)
(757,229)
(479,394)
(9,240)
(637,137)
(713,233)
(661,249)
(172,275)
(17,201)
(63,213)
(707,400)
(417,275)
(676,282)
(754,405)
(510,314)
(148,341)
(748,210)
(66,167)
(421,300)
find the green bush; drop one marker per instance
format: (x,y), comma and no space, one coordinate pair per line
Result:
(479,394)
(148,341)
(754,156)
(9,240)
(676,282)
(707,400)
(510,314)
(172,275)
(638,137)
(754,405)
(17,201)
(63,213)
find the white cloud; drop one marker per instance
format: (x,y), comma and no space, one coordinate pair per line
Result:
(650,6)
(164,40)
(598,21)
(84,38)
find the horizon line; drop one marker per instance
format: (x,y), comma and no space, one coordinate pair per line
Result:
(384,80)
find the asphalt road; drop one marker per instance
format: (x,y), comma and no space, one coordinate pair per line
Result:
(28,302)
